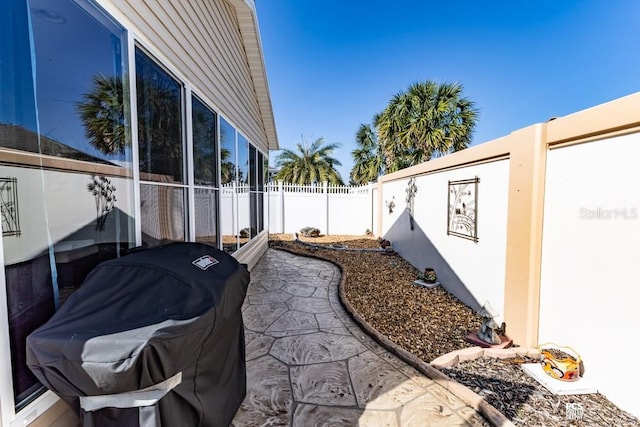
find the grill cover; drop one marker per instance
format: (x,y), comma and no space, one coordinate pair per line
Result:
(152,338)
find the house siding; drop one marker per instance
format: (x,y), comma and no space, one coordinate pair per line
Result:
(202,39)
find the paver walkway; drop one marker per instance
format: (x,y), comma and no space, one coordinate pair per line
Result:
(308,364)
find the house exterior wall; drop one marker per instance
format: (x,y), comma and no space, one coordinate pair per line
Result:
(202,40)
(202,44)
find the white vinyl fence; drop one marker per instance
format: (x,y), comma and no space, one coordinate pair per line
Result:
(331,209)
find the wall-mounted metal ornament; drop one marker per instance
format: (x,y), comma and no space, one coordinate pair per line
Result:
(390,205)
(462,218)
(412,189)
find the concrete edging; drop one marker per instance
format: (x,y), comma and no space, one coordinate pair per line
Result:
(468,396)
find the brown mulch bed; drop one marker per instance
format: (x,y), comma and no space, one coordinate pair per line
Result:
(431,322)
(426,322)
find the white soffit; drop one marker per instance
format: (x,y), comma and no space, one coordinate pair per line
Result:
(246,12)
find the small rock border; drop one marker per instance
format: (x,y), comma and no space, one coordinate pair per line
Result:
(472,353)
(334,247)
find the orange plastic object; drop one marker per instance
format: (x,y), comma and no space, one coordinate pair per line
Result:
(560,368)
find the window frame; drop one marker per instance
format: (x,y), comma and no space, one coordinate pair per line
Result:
(187,153)
(34,407)
(217,178)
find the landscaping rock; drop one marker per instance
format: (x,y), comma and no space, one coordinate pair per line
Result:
(310,232)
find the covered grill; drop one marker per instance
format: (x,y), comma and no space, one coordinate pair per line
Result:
(152,338)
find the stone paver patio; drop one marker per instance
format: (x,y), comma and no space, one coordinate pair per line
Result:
(309,364)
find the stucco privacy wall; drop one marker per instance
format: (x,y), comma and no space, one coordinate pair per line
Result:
(572,230)
(590,257)
(202,39)
(473,271)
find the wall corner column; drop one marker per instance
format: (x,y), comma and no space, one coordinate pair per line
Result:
(527,169)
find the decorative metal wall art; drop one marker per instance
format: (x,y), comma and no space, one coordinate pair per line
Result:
(462,219)
(390,205)
(9,207)
(412,189)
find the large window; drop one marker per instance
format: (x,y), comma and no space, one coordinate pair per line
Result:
(228,173)
(64,104)
(161,153)
(243,230)
(242,190)
(70,192)
(205,172)
(257,165)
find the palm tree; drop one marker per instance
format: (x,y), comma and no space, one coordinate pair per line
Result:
(368,159)
(309,164)
(102,113)
(426,121)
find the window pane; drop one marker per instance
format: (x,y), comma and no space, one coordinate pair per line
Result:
(228,212)
(205,162)
(163,212)
(254,217)
(244,213)
(253,179)
(261,212)
(243,159)
(261,171)
(80,94)
(159,98)
(227,152)
(59,220)
(206,206)
(227,218)
(242,189)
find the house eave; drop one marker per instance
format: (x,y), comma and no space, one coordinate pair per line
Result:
(250,32)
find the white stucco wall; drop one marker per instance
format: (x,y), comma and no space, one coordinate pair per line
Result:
(591,253)
(474,272)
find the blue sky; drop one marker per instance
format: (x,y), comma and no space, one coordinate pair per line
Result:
(333,64)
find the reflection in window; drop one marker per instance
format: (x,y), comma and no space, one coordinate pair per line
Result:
(262,169)
(205,167)
(9,207)
(205,163)
(228,210)
(253,186)
(80,94)
(206,210)
(256,179)
(69,102)
(159,98)
(163,211)
(161,149)
(264,213)
(242,192)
